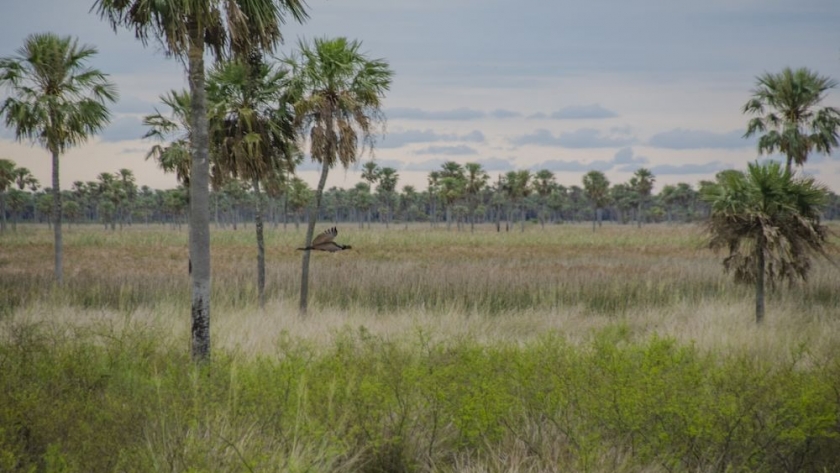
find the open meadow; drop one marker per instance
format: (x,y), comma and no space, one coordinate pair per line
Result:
(556,349)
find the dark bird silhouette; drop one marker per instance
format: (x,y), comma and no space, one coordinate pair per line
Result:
(324,242)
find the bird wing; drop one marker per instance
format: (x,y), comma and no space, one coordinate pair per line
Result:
(326,236)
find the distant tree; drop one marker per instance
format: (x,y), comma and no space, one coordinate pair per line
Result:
(7,178)
(475,179)
(597,189)
(57,101)
(642,182)
(769,222)
(788,119)
(452,187)
(433,191)
(388,178)
(544,184)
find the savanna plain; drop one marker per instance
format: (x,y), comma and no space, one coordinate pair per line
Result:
(558,349)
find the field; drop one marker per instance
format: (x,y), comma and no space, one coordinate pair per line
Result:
(560,349)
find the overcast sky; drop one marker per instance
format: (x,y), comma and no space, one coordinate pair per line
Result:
(611,85)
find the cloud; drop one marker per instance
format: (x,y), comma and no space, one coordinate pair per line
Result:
(537,116)
(593,111)
(428,165)
(418,114)
(496,164)
(667,169)
(131,104)
(458,150)
(680,138)
(402,138)
(582,138)
(389,163)
(502,113)
(626,156)
(560,165)
(125,128)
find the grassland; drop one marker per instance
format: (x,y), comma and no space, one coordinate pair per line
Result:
(424,350)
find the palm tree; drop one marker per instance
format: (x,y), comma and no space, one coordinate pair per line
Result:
(544,184)
(338,95)
(785,105)
(174,130)
(475,180)
(452,187)
(769,221)
(433,190)
(251,127)
(642,182)
(370,173)
(56,101)
(597,189)
(185,28)
(388,178)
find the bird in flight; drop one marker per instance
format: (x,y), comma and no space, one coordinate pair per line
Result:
(324,242)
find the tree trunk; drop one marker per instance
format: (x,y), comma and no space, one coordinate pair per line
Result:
(594,219)
(522,222)
(199,199)
(59,251)
(310,232)
(759,281)
(258,223)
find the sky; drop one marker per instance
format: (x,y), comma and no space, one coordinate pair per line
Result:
(569,86)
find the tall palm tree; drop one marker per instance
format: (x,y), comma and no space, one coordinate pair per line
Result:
(251,127)
(338,94)
(185,28)
(787,115)
(769,221)
(56,100)
(597,189)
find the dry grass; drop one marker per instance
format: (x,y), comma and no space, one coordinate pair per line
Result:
(398,283)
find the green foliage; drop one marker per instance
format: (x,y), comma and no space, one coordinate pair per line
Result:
(101,399)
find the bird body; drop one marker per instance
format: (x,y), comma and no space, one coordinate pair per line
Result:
(324,242)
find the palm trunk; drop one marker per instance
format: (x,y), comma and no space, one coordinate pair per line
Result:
(258,223)
(310,232)
(759,280)
(59,252)
(199,200)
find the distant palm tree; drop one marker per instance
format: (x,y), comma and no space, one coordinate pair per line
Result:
(388,178)
(544,184)
(769,221)
(642,182)
(370,173)
(338,95)
(7,178)
(787,117)
(475,180)
(597,189)
(56,101)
